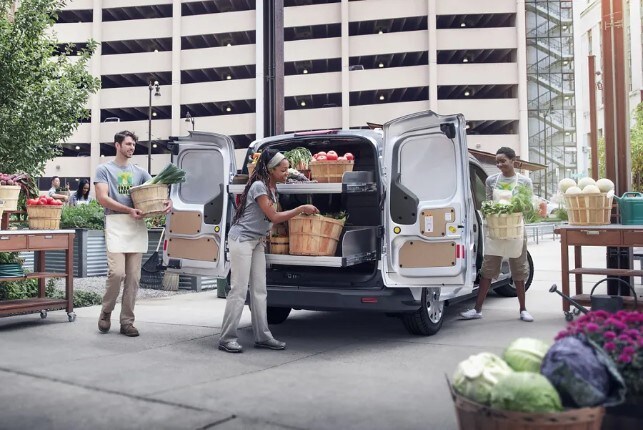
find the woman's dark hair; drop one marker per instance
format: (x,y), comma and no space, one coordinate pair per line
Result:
(260,173)
(80,195)
(510,153)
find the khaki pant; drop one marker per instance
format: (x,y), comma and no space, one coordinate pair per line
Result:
(247,266)
(519,266)
(122,268)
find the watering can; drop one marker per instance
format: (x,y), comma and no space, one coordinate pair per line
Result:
(607,302)
(630,205)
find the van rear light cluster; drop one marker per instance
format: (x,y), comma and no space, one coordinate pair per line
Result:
(369,299)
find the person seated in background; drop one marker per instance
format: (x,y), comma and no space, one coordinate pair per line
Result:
(53,191)
(81,195)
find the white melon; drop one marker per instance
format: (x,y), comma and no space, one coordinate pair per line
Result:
(573,190)
(591,189)
(566,183)
(605,185)
(583,182)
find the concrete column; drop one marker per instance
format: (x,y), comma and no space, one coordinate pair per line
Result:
(521,63)
(176,70)
(580,85)
(94,100)
(346,108)
(433,55)
(259,75)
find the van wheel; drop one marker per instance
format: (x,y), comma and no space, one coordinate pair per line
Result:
(277,315)
(509,289)
(427,320)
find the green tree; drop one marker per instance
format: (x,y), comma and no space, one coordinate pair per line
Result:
(636,142)
(43,92)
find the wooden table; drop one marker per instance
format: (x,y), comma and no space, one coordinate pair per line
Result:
(616,235)
(40,241)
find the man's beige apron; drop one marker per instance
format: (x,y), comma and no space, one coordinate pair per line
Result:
(508,248)
(124,234)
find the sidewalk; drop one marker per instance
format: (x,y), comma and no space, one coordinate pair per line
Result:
(340,371)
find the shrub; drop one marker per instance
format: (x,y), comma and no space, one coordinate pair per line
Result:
(28,288)
(89,216)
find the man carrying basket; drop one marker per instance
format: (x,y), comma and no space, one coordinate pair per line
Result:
(125,231)
(499,187)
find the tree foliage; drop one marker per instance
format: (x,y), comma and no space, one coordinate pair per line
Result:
(43,92)
(636,142)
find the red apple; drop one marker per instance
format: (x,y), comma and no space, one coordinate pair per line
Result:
(349,156)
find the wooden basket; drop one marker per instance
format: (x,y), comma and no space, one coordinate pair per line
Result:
(278,245)
(329,171)
(314,235)
(475,416)
(589,209)
(149,198)
(10,195)
(44,217)
(505,226)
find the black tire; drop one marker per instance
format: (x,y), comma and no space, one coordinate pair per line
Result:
(427,320)
(509,290)
(277,315)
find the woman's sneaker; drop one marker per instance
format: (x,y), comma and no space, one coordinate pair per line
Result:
(471,314)
(526,316)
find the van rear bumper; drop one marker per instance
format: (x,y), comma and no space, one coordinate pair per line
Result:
(318,299)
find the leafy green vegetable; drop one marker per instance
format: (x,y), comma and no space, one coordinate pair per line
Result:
(299,158)
(169,175)
(525,354)
(520,202)
(90,216)
(477,375)
(525,392)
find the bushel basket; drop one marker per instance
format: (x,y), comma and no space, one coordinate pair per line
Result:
(44,217)
(10,194)
(588,209)
(149,198)
(505,226)
(278,245)
(314,235)
(329,171)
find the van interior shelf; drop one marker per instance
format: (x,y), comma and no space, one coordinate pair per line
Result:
(352,182)
(357,245)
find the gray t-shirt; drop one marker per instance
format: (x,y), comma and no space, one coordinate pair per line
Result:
(119,180)
(499,181)
(253,224)
(52,191)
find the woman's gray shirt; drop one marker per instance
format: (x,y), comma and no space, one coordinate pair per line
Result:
(253,224)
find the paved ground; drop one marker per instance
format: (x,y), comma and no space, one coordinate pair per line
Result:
(340,371)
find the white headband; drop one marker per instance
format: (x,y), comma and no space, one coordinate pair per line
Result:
(274,161)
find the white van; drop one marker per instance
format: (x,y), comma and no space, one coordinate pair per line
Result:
(412,242)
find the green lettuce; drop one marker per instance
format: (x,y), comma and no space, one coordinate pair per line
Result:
(526,354)
(525,392)
(476,376)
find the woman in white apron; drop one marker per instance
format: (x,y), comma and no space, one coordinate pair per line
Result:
(501,186)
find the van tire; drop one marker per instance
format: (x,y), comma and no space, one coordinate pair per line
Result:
(509,290)
(427,320)
(277,315)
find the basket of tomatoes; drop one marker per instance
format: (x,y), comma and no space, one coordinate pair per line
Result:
(329,167)
(44,213)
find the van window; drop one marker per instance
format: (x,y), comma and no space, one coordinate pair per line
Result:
(201,164)
(478,179)
(428,166)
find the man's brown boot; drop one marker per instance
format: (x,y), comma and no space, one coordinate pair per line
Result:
(129,330)
(103,322)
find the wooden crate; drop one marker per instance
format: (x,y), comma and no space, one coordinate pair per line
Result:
(149,198)
(589,209)
(278,245)
(44,217)
(314,235)
(505,226)
(329,171)
(10,194)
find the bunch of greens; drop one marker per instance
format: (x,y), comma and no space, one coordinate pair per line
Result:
(520,202)
(169,175)
(89,216)
(299,158)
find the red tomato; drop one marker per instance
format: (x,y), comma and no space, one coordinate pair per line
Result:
(57,203)
(322,158)
(342,159)
(331,153)
(50,200)
(349,156)
(320,153)
(42,200)
(32,202)
(331,156)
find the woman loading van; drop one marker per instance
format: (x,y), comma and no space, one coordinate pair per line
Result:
(253,220)
(495,249)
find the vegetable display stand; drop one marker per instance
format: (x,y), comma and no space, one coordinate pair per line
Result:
(475,416)
(589,209)
(278,245)
(314,235)
(10,194)
(44,217)
(329,171)
(505,226)
(150,198)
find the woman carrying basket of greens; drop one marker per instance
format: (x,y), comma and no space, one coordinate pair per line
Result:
(256,213)
(513,191)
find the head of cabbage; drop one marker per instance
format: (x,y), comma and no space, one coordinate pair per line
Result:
(525,392)
(475,377)
(525,354)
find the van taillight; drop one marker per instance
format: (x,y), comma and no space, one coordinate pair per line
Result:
(165,245)
(369,299)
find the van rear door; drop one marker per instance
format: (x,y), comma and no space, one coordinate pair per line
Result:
(196,228)
(428,206)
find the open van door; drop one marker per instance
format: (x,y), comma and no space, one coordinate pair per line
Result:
(428,214)
(195,233)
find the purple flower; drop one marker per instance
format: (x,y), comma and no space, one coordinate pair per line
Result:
(624,338)
(628,350)
(624,358)
(609,335)
(592,327)
(609,346)
(619,325)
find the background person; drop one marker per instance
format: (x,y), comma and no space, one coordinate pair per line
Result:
(507,179)
(256,213)
(81,195)
(125,231)
(53,191)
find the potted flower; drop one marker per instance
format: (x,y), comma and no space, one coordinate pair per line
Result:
(621,337)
